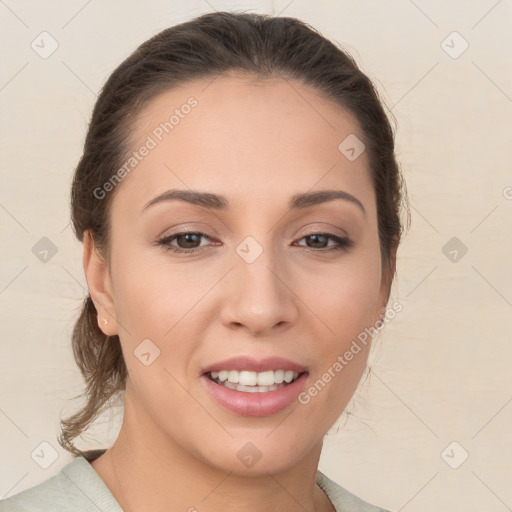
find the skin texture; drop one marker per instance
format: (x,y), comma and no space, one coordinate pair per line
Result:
(257,143)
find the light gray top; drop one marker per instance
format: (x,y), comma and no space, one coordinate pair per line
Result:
(78,488)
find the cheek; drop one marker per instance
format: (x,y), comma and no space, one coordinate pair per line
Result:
(163,302)
(151,293)
(345,297)
(155,301)
(345,303)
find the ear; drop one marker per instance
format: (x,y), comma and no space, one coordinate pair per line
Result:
(386,281)
(100,286)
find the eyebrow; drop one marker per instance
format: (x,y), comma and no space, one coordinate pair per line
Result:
(218,202)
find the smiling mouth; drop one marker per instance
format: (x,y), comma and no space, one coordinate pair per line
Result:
(254,382)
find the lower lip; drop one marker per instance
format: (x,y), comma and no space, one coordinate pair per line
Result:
(255,404)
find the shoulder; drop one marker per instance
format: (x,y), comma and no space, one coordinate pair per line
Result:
(343,500)
(76,487)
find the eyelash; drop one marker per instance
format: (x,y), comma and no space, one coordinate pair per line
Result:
(344,242)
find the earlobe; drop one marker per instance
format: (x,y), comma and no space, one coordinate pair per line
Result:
(99,284)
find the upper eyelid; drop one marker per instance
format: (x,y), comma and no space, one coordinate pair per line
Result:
(321,230)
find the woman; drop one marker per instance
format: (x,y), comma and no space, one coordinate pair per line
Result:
(238,199)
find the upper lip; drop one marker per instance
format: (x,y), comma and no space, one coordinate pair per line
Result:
(255,365)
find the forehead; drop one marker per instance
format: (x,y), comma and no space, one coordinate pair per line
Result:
(227,103)
(243,137)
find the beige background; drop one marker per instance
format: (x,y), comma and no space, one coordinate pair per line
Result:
(441,368)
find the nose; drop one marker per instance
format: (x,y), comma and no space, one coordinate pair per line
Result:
(259,297)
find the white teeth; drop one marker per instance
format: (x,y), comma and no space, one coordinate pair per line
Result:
(265,378)
(246,378)
(262,379)
(289,376)
(278,376)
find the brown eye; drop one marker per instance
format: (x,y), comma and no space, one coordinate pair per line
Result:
(189,240)
(319,241)
(186,242)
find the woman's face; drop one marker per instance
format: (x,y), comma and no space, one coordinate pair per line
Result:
(260,284)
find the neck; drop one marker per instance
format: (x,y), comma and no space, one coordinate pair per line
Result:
(147,470)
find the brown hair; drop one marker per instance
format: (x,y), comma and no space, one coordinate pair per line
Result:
(210,45)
